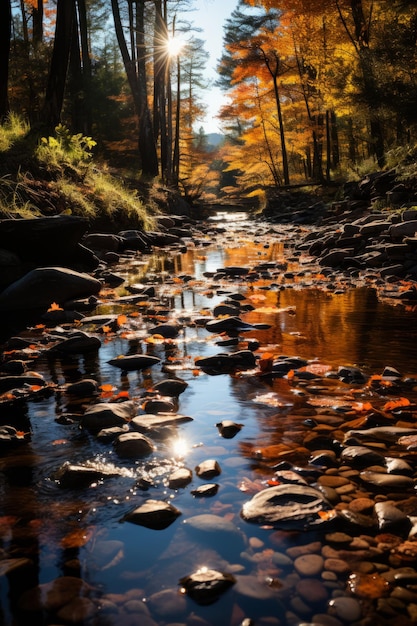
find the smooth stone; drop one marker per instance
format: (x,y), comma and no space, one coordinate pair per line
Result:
(309,565)
(154,514)
(53,595)
(180,478)
(387,481)
(108,415)
(312,591)
(41,287)
(332,481)
(309,548)
(208,469)
(228,429)
(132,445)
(205,490)
(391,518)
(337,566)
(216,531)
(77,611)
(134,362)
(347,609)
(294,507)
(206,585)
(167,603)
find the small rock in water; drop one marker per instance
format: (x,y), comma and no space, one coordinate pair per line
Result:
(206,585)
(228,428)
(208,469)
(154,514)
(134,362)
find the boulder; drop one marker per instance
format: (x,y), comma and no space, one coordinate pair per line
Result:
(39,288)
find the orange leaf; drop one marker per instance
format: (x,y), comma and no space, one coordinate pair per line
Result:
(55,307)
(396,404)
(121,319)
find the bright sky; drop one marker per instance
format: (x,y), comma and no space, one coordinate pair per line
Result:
(210,16)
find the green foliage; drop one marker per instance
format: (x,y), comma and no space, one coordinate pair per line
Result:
(65,150)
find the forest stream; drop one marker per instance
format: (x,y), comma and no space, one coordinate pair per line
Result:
(238,446)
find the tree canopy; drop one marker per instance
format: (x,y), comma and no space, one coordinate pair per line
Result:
(315,87)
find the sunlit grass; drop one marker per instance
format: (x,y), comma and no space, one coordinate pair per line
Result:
(57,173)
(14,128)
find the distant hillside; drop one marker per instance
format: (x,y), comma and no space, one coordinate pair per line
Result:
(214,139)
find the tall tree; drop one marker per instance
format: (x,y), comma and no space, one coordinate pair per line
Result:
(135,67)
(55,89)
(5,36)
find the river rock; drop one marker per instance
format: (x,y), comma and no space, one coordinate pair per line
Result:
(208,490)
(291,507)
(53,595)
(361,456)
(228,429)
(134,362)
(171,387)
(386,482)
(77,342)
(205,585)
(180,477)
(154,514)
(133,445)
(107,415)
(208,469)
(42,286)
(391,518)
(151,424)
(309,565)
(76,476)
(347,609)
(216,532)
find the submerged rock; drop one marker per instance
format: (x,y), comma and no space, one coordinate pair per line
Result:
(290,506)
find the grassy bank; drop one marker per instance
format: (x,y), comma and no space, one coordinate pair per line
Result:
(51,175)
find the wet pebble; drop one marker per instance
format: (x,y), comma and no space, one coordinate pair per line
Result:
(309,565)
(345,608)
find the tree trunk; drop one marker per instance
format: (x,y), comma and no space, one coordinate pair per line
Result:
(5,36)
(37,16)
(55,89)
(136,74)
(87,115)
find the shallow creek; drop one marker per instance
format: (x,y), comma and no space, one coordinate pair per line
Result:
(71,556)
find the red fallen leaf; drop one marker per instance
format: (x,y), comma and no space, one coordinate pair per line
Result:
(106,329)
(59,442)
(272,483)
(35,387)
